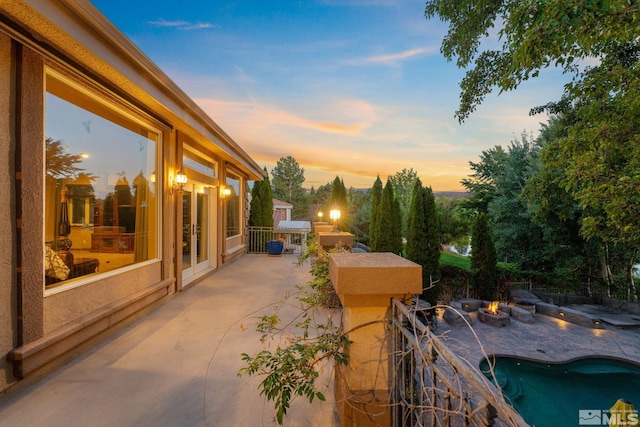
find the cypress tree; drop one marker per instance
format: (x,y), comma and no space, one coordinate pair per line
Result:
(416,232)
(423,239)
(266,202)
(483,260)
(388,223)
(376,196)
(255,208)
(261,207)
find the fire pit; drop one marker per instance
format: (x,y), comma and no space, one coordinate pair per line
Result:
(492,316)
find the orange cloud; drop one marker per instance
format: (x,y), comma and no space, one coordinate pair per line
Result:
(262,116)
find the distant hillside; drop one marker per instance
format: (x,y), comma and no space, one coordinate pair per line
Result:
(451,194)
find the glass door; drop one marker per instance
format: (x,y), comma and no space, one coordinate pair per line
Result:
(197,225)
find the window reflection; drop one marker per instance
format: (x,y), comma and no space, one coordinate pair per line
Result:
(233,206)
(100,199)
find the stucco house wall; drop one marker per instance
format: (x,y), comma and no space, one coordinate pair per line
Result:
(39,326)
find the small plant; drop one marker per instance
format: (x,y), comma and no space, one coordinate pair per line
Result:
(304,344)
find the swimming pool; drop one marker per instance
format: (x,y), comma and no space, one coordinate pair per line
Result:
(551,395)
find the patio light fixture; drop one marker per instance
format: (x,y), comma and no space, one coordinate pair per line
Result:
(179,181)
(334,214)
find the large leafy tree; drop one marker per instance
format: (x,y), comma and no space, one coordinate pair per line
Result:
(496,188)
(533,36)
(592,190)
(288,177)
(599,154)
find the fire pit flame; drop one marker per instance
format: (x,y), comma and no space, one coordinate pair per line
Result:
(493,316)
(493,307)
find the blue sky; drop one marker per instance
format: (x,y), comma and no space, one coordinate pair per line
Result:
(350,88)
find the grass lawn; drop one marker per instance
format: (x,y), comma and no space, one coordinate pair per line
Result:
(460,261)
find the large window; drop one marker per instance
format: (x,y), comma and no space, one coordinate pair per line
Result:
(233,206)
(101,199)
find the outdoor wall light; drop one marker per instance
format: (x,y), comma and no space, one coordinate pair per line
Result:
(225,192)
(320,214)
(179,181)
(562,313)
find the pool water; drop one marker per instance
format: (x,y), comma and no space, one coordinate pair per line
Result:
(551,395)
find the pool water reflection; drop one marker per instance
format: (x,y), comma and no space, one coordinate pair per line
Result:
(551,395)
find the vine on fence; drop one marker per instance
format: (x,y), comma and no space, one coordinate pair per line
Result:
(304,345)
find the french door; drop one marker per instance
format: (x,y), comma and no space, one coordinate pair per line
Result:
(198,230)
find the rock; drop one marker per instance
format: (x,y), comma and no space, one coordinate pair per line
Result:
(455,317)
(524,316)
(469,304)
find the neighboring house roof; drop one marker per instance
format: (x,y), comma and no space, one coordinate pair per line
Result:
(281,204)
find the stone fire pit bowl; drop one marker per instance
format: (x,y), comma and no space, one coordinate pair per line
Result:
(499,319)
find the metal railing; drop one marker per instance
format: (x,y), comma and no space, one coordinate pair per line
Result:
(294,240)
(431,386)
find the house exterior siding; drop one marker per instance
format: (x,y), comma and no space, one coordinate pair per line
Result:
(42,325)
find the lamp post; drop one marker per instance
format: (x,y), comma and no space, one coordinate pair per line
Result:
(334,214)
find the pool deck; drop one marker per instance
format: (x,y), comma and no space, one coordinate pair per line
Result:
(547,339)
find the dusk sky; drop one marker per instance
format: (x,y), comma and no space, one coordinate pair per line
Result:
(350,88)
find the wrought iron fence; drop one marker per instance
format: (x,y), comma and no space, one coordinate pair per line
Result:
(431,386)
(294,239)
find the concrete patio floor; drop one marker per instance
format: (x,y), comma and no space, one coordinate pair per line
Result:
(177,365)
(547,339)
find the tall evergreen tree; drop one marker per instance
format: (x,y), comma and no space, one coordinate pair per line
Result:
(288,177)
(266,200)
(376,196)
(361,218)
(261,207)
(423,241)
(255,207)
(388,223)
(396,223)
(433,248)
(483,260)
